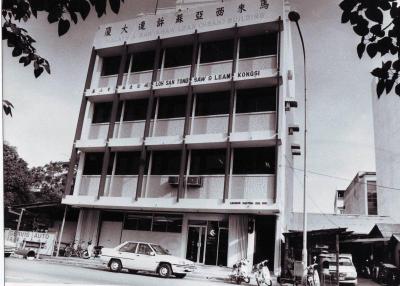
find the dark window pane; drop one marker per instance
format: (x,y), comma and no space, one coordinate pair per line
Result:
(144,249)
(256,100)
(138,221)
(127,163)
(174,223)
(135,110)
(166,162)
(212,103)
(207,162)
(110,65)
(171,107)
(112,216)
(143,61)
(212,243)
(216,51)
(178,56)
(256,46)
(254,161)
(93,163)
(102,112)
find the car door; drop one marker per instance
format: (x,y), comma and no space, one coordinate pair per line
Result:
(146,259)
(127,255)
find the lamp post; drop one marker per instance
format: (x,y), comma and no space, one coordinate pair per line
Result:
(295,17)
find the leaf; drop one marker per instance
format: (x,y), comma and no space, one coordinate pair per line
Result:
(115,5)
(52,17)
(38,72)
(374,14)
(348,5)
(389,85)
(372,49)
(47,68)
(345,17)
(22,59)
(361,29)
(8,103)
(100,6)
(16,52)
(397,89)
(83,9)
(384,5)
(7,110)
(360,49)
(396,65)
(74,18)
(377,30)
(377,72)
(380,87)
(63,27)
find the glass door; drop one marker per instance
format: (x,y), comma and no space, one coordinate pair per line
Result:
(195,244)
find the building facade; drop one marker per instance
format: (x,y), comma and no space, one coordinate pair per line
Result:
(361,195)
(185,121)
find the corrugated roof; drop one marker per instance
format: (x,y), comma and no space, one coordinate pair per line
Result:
(387,229)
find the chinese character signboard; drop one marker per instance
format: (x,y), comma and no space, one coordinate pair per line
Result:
(205,18)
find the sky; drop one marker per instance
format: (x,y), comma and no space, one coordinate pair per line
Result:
(340,126)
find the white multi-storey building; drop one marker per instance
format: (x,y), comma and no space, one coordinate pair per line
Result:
(185,121)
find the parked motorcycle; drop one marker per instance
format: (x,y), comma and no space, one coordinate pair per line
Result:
(76,249)
(241,272)
(262,274)
(365,269)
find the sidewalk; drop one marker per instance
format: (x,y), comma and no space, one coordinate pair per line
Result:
(202,272)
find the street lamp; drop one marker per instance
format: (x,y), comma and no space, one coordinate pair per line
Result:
(295,17)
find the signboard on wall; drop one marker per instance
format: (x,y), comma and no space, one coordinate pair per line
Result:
(42,243)
(205,18)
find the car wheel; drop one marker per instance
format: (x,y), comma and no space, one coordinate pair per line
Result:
(164,270)
(115,265)
(180,275)
(132,271)
(7,254)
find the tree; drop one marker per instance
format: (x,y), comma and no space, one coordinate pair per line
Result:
(367,18)
(58,11)
(17,178)
(49,181)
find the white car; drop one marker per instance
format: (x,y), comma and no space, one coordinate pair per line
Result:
(143,256)
(347,271)
(9,248)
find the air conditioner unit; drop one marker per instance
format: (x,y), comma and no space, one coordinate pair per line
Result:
(173,180)
(195,181)
(290,103)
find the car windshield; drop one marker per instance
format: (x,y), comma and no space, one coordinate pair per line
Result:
(159,250)
(342,262)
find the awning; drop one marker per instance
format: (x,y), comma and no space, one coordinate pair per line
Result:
(366,240)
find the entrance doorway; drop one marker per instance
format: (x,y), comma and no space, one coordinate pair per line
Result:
(195,246)
(265,240)
(208,242)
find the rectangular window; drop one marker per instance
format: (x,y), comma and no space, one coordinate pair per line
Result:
(144,249)
(257,46)
(110,65)
(102,112)
(154,222)
(254,160)
(171,107)
(143,61)
(216,51)
(127,163)
(212,103)
(372,198)
(135,109)
(256,100)
(207,162)
(129,247)
(165,162)
(178,56)
(93,163)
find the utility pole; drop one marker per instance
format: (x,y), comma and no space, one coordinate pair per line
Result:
(19,221)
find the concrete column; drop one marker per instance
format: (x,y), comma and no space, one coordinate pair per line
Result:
(251,242)
(277,251)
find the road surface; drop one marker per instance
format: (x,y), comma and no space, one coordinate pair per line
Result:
(23,271)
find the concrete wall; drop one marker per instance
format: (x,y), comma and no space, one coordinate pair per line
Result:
(69,230)
(387,138)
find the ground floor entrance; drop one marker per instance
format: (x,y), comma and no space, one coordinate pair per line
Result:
(207,242)
(204,238)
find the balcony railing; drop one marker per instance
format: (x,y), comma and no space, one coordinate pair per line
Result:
(222,67)
(174,73)
(98,131)
(139,77)
(213,188)
(89,185)
(157,186)
(122,186)
(252,187)
(108,81)
(168,127)
(129,129)
(260,121)
(256,64)
(210,124)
